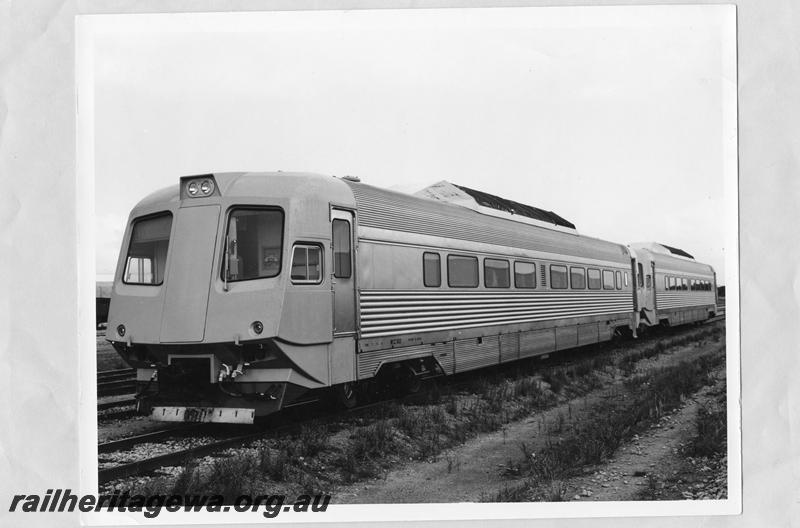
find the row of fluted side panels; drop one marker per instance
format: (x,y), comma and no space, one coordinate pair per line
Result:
(683,299)
(390,312)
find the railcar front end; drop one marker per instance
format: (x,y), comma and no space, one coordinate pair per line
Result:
(222,298)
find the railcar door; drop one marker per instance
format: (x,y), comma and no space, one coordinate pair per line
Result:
(645,281)
(343,276)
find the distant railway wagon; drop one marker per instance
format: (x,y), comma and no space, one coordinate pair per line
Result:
(102,301)
(238,294)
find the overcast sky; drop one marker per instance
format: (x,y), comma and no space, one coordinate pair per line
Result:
(612,117)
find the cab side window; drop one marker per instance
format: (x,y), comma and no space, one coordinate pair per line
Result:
(306,264)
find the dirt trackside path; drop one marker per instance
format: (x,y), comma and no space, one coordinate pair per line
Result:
(646,465)
(463,475)
(491,464)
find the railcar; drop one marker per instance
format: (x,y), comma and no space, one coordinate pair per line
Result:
(239,294)
(678,289)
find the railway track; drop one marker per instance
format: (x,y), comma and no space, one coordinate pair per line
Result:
(282,424)
(116,382)
(116,409)
(242,436)
(154,436)
(127,402)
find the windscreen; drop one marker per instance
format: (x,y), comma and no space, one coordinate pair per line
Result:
(255,240)
(147,253)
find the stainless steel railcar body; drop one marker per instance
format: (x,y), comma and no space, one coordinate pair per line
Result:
(486,321)
(236,294)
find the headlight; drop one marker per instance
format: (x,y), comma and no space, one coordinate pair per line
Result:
(198,186)
(121,330)
(206,187)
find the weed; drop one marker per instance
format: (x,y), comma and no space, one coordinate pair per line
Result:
(556,378)
(556,491)
(711,431)
(373,440)
(453,462)
(651,491)
(311,484)
(274,466)
(451,406)
(519,493)
(312,439)
(187,480)
(232,476)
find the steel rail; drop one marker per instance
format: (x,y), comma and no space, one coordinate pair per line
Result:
(105,374)
(102,406)
(113,388)
(130,441)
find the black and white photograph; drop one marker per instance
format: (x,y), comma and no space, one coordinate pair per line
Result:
(439,263)
(417,256)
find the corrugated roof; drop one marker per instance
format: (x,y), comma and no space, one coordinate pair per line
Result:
(676,251)
(396,211)
(510,206)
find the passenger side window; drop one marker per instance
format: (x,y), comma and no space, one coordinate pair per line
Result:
(496,273)
(594,279)
(649,281)
(683,285)
(306,264)
(577,278)
(462,271)
(608,280)
(558,277)
(524,274)
(431,270)
(341,249)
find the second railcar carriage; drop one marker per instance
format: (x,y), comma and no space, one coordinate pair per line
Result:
(677,290)
(236,294)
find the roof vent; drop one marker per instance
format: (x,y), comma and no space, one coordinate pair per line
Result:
(679,252)
(352,178)
(494,205)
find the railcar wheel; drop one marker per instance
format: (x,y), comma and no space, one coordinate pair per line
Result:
(346,395)
(410,382)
